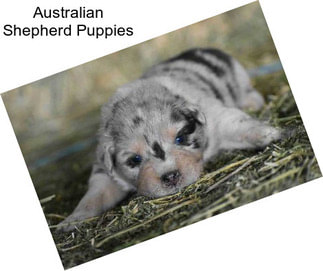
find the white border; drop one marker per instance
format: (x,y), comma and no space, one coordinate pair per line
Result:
(281,232)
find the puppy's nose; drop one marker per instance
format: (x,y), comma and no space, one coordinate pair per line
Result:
(171,178)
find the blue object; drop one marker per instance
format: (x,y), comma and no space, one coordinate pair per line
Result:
(179,140)
(266,69)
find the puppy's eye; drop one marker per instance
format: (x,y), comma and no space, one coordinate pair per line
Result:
(183,134)
(179,140)
(134,161)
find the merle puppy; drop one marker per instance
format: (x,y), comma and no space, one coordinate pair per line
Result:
(158,131)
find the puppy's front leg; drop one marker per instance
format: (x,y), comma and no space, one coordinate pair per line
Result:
(103,194)
(238,130)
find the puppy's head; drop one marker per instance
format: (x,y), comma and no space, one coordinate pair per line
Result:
(153,139)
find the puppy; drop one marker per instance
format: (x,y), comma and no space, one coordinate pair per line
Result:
(158,131)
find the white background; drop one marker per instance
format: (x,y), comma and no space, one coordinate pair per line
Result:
(281,232)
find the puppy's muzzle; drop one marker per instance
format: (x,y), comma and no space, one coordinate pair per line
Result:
(171,178)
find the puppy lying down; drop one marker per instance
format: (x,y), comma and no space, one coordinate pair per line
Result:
(158,131)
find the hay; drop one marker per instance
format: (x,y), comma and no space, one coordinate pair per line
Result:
(233,179)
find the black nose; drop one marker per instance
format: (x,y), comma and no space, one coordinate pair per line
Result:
(171,178)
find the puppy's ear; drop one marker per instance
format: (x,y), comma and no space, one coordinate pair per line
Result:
(109,158)
(190,112)
(106,153)
(105,149)
(193,112)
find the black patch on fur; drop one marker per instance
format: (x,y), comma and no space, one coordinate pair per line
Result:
(193,57)
(198,76)
(196,144)
(159,152)
(231,90)
(116,106)
(137,121)
(113,159)
(177,97)
(187,129)
(220,55)
(146,138)
(210,86)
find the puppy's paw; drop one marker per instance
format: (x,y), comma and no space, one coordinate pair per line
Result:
(263,134)
(253,101)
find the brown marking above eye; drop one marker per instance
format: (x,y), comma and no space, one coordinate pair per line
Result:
(170,133)
(138,146)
